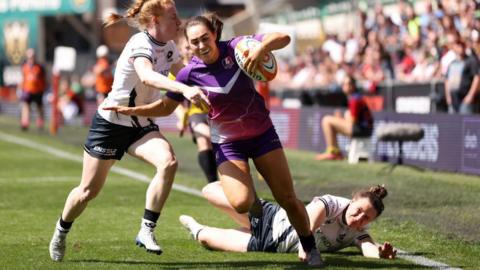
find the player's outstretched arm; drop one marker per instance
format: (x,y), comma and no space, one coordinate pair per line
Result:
(162,107)
(371,250)
(148,76)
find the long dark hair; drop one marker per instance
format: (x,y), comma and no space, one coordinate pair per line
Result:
(375,194)
(210,20)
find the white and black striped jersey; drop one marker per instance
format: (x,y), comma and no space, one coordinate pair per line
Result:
(127,89)
(332,235)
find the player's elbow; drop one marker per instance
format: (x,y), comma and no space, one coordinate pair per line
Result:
(144,80)
(285,39)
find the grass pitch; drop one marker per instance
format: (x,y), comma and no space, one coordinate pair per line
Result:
(430,214)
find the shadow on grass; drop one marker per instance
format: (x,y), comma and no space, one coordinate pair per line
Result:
(331,262)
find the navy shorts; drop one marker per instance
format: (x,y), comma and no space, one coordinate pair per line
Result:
(106,140)
(32,98)
(245,149)
(261,229)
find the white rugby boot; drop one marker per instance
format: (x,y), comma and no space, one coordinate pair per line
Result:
(191,225)
(146,237)
(58,243)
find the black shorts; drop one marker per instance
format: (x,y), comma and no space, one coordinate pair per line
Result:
(361,132)
(106,140)
(261,229)
(32,98)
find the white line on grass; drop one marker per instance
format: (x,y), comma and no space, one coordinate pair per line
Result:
(42,179)
(424,261)
(76,158)
(143,178)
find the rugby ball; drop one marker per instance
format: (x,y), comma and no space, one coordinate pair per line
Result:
(266,70)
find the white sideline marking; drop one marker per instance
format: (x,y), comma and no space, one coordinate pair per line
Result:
(42,179)
(419,260)
(79,159)
(424,261)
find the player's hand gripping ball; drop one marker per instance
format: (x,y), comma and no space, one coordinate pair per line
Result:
(266,70)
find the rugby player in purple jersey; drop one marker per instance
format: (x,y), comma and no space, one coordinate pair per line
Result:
(240,124)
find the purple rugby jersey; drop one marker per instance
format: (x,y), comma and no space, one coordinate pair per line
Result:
(237,111)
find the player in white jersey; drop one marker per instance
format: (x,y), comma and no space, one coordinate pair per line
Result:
(337,223)
(140,73)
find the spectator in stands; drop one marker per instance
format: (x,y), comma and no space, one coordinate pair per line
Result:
(2,66)
(33,86)
(338,223)
(407,64)
(425,68)
(462,81)
(358,122)
(103,74)
(70,99)
(371,70)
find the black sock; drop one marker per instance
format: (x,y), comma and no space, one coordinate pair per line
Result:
(151,216)
(206,159)
(308,242)
(256,210)
(65,225)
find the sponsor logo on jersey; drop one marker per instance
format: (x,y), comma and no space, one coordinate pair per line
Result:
(105,151)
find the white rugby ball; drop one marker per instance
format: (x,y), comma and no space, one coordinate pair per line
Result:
(267,69)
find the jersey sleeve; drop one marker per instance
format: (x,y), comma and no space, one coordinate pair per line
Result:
(141,48)
(361,235)
(233,42)
(182,77)
(333,206)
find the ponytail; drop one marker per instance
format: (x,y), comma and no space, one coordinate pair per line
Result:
(140,12)
(209,20)
(375,194)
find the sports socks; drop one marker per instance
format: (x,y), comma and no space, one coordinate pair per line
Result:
(151,216)
(333,150)
(308,242)
(64,225)
(206,159)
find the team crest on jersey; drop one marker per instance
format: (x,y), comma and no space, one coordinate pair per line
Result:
(227,62)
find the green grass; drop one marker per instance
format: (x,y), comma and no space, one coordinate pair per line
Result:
(431,214)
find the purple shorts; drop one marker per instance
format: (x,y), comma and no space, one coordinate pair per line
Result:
(249,148)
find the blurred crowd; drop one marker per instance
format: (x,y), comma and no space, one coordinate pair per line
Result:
(398,46)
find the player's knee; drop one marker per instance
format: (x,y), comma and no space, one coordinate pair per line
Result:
(326,120)
(210,189)
(241,205)
(167,163)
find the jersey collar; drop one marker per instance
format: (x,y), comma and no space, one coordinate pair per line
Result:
(152,39)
